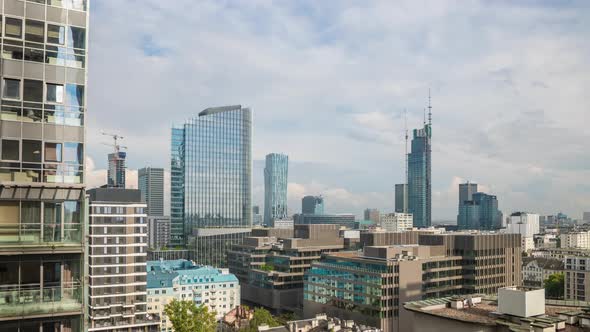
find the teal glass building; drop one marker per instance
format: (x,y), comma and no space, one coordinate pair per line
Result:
(211,176)
(275,187)
(420,177)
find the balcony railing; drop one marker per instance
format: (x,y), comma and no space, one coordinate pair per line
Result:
(20,302)
(35,233)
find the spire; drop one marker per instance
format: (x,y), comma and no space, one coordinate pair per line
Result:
(429,109)
(424,114)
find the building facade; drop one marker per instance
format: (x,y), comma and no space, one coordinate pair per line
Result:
(116,170)
(401,198)
(527,225)
(396,222)
(372,214)
(371,287)
(117,249)
(577,239)
(480,211)
(420,177)
(345,220)
(211,180)
(43,83)
(535,270)
(150,181)
(158,232)
(312,205)
(216,289)
(270,265)
(276,172)
(577,277)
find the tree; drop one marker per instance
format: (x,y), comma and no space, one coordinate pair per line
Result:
(261,317)
(185,316)
(554,286)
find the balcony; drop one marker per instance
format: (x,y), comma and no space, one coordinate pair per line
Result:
(34,302)
(34,235)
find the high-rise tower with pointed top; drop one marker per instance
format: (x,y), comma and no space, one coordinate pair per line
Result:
(420,173)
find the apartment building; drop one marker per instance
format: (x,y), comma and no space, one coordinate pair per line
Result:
(158,231)
(117,243)
(577,239)
(396,222)
(182,280)
(577,277)
(535,270)
(42,174)
(270,265)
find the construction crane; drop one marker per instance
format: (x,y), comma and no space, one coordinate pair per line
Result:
(115,145)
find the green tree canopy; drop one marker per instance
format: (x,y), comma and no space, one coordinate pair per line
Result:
(261,317)
(185,316)
(554,286)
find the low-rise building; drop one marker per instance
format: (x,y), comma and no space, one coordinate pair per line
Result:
(397,222)
(320,323)
(270,265)
(535,270)
(182,280)
(514,309)
(370,286)
(345,220)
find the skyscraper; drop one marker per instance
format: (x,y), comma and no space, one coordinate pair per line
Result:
(466,191)
(151,184)
(477,210)
(211,205)
(372,214)
(275,187)
(116,170)
(419,177)
(312,205)
(401,198)
(42,174)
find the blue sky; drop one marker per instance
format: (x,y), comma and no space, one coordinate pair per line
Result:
(328,82)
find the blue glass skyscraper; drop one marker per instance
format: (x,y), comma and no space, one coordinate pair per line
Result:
(211,176)
(275,187)
(419,177)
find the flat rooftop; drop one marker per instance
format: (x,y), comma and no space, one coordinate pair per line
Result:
(486,312)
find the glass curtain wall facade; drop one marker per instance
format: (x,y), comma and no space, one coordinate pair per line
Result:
(312,205)
(211,181)
(275,187)
(42,113)
(419,177)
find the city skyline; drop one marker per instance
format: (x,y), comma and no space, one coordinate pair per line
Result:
(507,105)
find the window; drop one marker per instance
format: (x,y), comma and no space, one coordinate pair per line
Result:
(32,151)
(33,90)
(53,152)
(73,152)
(10,149)
(13,28)
(75,95)
(11,88)
(34,31)
(76,37)
(56,34)
(55,93)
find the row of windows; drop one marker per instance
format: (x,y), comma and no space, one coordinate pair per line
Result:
(36,151)
(34,31)
(68,4)
(36,91)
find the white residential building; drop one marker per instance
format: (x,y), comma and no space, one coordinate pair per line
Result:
(579,239)
(535,270)
(523,223)
(396,222)
(217,289)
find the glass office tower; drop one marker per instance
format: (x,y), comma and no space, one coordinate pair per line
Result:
(419,177)
(211,177)
(43,107)
(275,187)
(150,181)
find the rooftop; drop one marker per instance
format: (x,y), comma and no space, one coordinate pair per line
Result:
(486,312)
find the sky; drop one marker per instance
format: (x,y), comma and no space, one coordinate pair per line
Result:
(328,83)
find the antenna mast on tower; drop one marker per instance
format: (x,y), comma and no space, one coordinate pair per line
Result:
(429,109)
